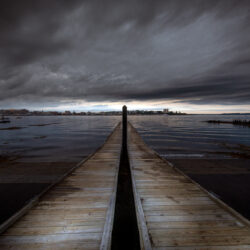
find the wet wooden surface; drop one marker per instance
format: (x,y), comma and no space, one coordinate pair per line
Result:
(175,213)
(76,213)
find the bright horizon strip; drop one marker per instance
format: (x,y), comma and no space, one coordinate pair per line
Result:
(135,105)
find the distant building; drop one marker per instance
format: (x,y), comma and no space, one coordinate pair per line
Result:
(14,112)
(165,111)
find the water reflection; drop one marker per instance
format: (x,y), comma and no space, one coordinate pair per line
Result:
(190,137)
(55,138)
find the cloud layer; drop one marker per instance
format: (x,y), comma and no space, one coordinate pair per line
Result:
(196,52)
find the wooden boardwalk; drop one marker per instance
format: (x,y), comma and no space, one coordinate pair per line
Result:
(78,212)
(173,212)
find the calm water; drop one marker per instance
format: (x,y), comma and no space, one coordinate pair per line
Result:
(60,138)
(71,138)
(190,137)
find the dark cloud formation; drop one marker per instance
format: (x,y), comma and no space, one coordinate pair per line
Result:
(193,51)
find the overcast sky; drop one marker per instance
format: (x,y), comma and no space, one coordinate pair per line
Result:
(79,54)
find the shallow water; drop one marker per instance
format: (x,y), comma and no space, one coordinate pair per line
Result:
(72,138)
(190,137)
(55,138)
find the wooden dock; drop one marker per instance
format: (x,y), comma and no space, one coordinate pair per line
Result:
(76,213)
(172,211)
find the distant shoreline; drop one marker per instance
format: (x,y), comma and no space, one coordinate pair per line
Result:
(25,112)
(96,115)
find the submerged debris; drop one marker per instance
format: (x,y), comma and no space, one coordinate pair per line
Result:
(244,123)
(11,128)
(4,120)
(42,125)
(40,137)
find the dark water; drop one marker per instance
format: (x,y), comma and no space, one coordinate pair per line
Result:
(190,137)
(55,138)
(71,138)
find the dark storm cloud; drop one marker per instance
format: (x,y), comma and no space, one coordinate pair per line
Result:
(28,27)
(185,51)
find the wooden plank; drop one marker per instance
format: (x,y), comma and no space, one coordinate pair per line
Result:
(232,247)
(67,216)
(54,230)
(69,212)
(202,240)
(183,212)
(183,232)
(194,224)
(79,244)
(64,222)
(167,218)
(52,238)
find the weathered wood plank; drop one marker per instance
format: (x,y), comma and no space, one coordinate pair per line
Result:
(232,247)
(53,238)
(79,244)
(183,232)
(194,224)
(202,240)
